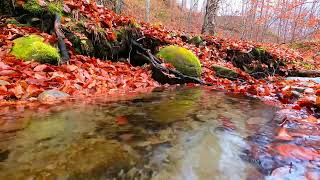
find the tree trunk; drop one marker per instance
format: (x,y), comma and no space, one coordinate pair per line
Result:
(183,4)
(209,22)
(147,18)
(118,6)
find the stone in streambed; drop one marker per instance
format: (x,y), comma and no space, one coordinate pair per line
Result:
(51,95)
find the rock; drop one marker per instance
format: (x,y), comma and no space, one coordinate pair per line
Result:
(33,7)
(52,95)
(196,40)
(185,37)
(96,158)
(182,59)
(296,94)
(298,89)
(225,72)
(3,83)
(33,48)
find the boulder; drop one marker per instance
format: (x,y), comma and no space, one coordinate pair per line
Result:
(225,72)
(33,48)
(182,59)
(52,95)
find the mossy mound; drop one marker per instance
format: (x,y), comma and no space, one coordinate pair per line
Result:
(196,40)
(225,72)
(33,7)
(33,48)
(55,7)
(182,59)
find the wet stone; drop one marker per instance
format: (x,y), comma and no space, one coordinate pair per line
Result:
(51,95)
(225,72)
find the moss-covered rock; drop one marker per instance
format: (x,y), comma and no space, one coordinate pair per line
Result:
(55,7)
(225,72)
(182,59)
(33,48)
(33,7)
(196,40)
(259,52)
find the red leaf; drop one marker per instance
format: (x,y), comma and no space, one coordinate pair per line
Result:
(17,91)
(283,135)
(297,152)
(4,66)
(40,67)
(311,119)
(7,72)
(33,90)
(72,67)
(122,120)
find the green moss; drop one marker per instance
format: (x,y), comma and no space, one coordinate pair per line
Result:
(225,72)
(182,59)
(261,49)
(300,45)
(259,52)
(12,21)
(33,7)
(33,48)
(196,40)
(56,7)
(307,65)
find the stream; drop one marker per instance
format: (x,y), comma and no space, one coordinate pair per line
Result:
(173,134)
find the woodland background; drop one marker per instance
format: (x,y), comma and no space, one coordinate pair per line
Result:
(277,21)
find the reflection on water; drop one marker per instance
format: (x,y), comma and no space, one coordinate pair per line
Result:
(174,134)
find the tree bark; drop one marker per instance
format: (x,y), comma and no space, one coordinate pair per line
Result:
(209,22)
(118,6)
(147,18)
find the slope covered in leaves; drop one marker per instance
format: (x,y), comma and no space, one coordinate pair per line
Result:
(83,76)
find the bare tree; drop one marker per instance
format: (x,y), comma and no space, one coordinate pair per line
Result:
(147,17)
(209,22)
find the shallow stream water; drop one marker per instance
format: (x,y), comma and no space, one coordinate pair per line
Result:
(184,133)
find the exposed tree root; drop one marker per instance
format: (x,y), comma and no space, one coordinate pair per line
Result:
(61,44)
(163,74)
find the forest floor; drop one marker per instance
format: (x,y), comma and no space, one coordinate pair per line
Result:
(21,82)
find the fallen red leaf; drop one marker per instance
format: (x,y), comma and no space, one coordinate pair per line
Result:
(17,91)
(40,67)
(283,135)
(122,120)
(33,90)
(297,152)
